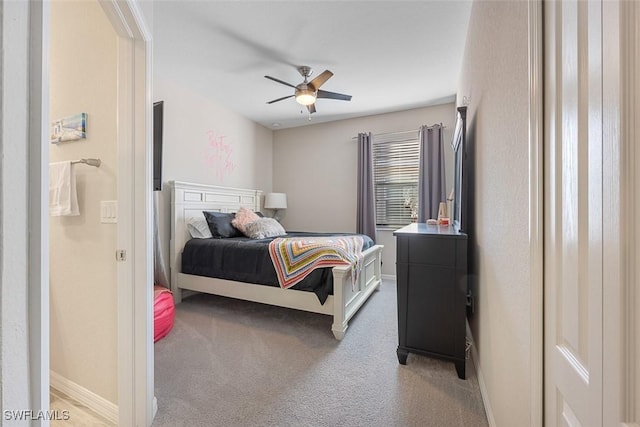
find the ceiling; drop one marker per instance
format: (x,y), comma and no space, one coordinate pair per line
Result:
(389,55)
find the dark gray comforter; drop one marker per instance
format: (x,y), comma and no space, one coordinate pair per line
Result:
(247,260)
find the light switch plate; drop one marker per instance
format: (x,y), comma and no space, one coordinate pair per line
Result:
(109,211)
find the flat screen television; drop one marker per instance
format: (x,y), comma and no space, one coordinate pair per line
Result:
(157,145)
(460,179)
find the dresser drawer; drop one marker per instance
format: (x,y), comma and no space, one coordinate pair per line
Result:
(427,250)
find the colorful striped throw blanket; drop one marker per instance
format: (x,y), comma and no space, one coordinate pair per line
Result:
(294,258)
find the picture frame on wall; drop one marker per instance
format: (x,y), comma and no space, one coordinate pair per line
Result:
(69,128)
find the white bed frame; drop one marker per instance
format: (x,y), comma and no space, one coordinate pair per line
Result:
(189,200)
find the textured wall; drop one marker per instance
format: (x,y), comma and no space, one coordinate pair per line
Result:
(494,79)
(206,143)
(83,268)
(14,157)
(317,167)
(210,144)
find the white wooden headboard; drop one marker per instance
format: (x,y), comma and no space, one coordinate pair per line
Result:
(189,200)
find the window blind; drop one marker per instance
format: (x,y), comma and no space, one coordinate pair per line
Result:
(396,169)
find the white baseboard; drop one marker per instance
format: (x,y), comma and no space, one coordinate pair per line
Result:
(483,387)
(388,276)
(98,404)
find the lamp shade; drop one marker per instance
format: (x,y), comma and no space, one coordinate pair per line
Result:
(275,201)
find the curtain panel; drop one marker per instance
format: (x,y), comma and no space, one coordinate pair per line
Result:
(366,203)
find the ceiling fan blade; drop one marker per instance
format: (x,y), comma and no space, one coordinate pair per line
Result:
(280,81)
(280,99)
(311,108)
(333,95)
(321,78)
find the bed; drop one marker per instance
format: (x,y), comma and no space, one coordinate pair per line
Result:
(348,295)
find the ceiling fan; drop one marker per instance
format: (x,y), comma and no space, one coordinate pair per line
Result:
(307,92)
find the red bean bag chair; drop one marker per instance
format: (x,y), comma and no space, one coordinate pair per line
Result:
(164,312)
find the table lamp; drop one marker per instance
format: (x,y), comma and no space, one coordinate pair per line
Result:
(275,201)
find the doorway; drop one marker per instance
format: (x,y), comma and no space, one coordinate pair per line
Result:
(133,275)
(82,240)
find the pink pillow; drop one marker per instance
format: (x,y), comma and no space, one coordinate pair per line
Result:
(163,312)
(244,217)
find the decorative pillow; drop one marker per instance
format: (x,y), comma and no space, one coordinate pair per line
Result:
(243,217)
(220,225)
(198,228)
(263,228)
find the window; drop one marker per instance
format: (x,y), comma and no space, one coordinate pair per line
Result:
(396,159)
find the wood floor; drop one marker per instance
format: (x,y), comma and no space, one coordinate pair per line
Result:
(70,413)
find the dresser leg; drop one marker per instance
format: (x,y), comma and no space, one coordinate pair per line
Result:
(460,369)
(402,356)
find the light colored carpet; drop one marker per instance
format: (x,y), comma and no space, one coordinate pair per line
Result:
(235,363)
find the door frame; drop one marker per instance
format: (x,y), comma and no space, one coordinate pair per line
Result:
(622,333)
(38,156)
(536,210)
(136,404)
(630,135)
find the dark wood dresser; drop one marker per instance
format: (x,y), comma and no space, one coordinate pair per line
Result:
(431,268)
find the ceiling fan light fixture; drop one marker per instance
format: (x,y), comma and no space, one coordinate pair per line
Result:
(306,92)
(305,96)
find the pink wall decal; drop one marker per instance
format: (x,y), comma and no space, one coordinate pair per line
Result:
(219,155)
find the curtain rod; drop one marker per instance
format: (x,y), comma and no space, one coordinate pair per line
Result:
(403,132)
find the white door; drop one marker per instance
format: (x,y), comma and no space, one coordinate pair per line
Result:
(573,307)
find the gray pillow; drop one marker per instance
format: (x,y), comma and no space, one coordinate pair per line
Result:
(263,228)
(220,224)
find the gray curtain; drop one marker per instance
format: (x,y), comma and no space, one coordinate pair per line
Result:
(366,209)
(431,183)
(159,266)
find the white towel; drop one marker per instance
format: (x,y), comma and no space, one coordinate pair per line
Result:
(63,198)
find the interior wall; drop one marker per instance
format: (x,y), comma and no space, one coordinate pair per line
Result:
(316,166)
(494,81)
(210,144)
(206,143)
(14,210)
(83,274)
